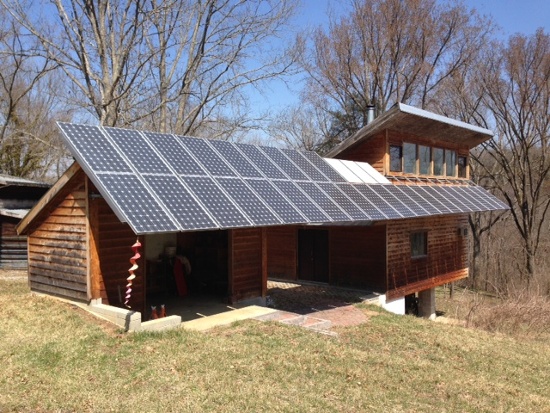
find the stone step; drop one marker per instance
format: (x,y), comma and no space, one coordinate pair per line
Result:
(311,323)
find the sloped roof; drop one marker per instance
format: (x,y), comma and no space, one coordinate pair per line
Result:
(15,180)
(428,125)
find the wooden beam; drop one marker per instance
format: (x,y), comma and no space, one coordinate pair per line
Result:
(54,191)
(93,258)
(264,262)
(230,269)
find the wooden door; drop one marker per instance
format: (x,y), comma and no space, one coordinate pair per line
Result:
(313,255)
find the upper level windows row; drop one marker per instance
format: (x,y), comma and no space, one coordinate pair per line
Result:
(411,158)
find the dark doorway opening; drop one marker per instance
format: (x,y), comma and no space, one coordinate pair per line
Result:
(313,252)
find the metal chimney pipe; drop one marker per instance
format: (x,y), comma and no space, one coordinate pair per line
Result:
(370,113)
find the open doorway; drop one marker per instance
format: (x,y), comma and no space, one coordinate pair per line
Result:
(313,255)
(187,273)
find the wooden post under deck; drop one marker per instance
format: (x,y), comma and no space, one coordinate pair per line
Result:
(264,262)
(94,268)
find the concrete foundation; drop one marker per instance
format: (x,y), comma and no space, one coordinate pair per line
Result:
(396,306)
(426,304)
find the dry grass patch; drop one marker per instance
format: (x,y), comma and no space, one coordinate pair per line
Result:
(57,358)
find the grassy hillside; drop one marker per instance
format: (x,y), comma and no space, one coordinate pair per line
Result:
(57,358)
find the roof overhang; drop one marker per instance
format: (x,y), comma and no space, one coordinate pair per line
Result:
(419,122)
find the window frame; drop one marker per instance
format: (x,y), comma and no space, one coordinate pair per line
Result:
(423,253)
(461,170)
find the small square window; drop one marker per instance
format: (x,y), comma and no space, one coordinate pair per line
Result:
(396,155)
(419,244)
(462,164)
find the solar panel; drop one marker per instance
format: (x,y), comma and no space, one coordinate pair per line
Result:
(369,192)
(323,201)
(301,201)
(216,202)
(475,200)
(277,202)
(261,161)
(366,206)
(144,214)
(439,196)
(247,200)
(343,201)
(417,197)
(457,199)
(133,145)
(305,165)
(288,167)
(185,209)
(415,207)
(233,157)
(211,161)
(394,198)
(175,154)
(488,198)
(93,149)
(322,165)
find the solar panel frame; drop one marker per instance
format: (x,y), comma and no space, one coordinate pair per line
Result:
(247,200)
(446,189)
(343,200)
(261,161)
(301,201)
(236,159)
(305,165)
(206,156)
(284,163)
(490,198)
(135,148)
(413,204)
(372,195)
(438,195)
(175,154)
(324,202)
(367,207)
(417,197)
(394,198)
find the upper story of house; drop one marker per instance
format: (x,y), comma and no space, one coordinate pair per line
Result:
(410,145)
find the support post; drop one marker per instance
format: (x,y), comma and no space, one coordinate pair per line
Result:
(426,304)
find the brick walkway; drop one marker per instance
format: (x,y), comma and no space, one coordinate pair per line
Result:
(320,301)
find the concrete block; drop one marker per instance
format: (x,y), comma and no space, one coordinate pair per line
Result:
(396,306)
(160,324)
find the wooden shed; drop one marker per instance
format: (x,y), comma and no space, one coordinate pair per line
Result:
(240,214)
(17,197)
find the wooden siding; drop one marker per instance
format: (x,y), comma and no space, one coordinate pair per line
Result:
(446,261)
(358,257)
(13,247)
(372,151)
(281,252)
(57,249)
(114,241)
(245,264)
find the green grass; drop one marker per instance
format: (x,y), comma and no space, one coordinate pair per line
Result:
(57,358)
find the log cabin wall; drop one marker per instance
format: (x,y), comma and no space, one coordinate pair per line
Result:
(247,269)
(13,247)
(281,252)
(114,242)
(57,247)
(358,257)
(373,151)
(446,260)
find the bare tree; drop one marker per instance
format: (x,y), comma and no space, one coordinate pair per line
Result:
(29,144)
(177,65)
(389,51)
(517,94)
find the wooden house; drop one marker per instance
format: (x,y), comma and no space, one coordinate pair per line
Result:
(17,197)
(242,213)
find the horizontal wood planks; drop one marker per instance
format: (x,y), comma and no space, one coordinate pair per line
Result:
(13,247)
(446,261)
(245,263)
(57,248)
(372,151)
(115,250)
(281,252)
(358,257)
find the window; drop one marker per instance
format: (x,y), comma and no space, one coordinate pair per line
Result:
(439,160)
(450,162)
(396,153)
(424,159)
(462,165)
(419,244)
(409,158)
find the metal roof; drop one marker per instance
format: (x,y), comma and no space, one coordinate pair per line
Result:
(15,180)
(427,125)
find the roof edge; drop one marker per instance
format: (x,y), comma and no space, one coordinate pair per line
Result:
(56,188)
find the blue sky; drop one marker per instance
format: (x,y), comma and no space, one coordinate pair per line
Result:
(513,16)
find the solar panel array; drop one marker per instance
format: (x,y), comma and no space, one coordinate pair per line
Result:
(167,183)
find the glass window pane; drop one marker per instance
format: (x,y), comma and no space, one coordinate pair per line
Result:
(462,163)
(409,158)
(424,158)
(419,244)
(450,162)
(438,161)
(395,158)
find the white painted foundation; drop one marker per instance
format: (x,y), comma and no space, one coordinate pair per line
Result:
(396,306)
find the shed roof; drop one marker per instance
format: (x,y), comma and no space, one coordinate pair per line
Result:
(15,180)
(167,183)
(428,125)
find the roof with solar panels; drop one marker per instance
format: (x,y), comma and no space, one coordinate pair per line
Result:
(167,183)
